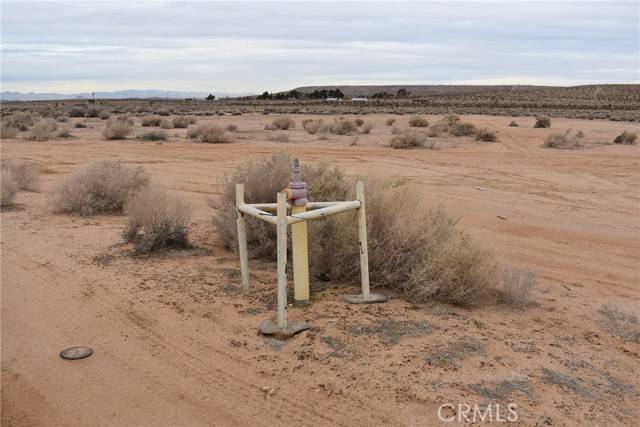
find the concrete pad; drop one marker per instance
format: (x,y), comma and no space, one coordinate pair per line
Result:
(359,299)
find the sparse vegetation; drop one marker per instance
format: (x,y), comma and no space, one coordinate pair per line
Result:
(213,134)
(231,127)
(627,138)
(278,137)
(154,135)
(283,123)
(7,131)
(517,286)
(157,220)
(408,139)
(418,122)
(422,253)
(343,127)
(314,126)
(151,121)
(621,323)
(101,187)
(390,121)
(514,124)
(462,129)
(486,135)
(359,122)
(451,119)
(25,175)
(43,130)
(366,128)
(542,122)
(166,124)
(564,141)
(117,129)
(21,121)
(436,130)
(64,132)
(181,122)
(8,188)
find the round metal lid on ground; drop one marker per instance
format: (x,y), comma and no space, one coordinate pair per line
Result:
(75,353)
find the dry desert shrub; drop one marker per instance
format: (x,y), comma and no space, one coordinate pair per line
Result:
(166,124)
(157,220)
(43,130)
(101,187)
(462,129)
(7,131)
(151,121)
(117,129)
(422,253)
(278,137)
(92,111)
(564,141)
(214,134)
(21,121)
(283,123)
(231,127)
(437,129)
(181,122)
(390,121)
(517,286)
(80,125)
(396,130)
(193,132)
(366,128)
(542,122)
(514,124)
(8,188)
(343,127)
(411,139)
(77,112)
(312,126)
(25,175)
(627,138)
(621,323)
(359,122)
(451,119)
(486,135)
(64,132)
(154,135)
(418,122)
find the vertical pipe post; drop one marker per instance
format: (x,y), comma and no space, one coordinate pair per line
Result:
(242,238)
(300,254)
(282,260)
(362,228)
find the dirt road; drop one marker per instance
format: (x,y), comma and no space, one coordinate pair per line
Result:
(175,341)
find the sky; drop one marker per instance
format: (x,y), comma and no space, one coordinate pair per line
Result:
(245,47)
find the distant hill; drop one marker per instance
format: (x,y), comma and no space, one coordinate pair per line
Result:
(119,94)
(420,90)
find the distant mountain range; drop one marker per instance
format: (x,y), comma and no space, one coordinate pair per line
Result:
(119,94)
(419,90)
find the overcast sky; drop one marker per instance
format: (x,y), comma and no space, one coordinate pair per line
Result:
(251,47)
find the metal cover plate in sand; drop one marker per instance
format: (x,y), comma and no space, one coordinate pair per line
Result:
(359,299)
(75,353)
(269,327)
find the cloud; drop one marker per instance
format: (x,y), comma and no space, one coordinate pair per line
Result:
(242,46)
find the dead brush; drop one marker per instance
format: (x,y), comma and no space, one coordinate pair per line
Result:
(43,130)
(462,129)
(626,138)
(117,129)
(390,121)
(151,121)
(564,141)
(542,122)
(517,286)
(8,188)
(7,131)
(22,121)
(366,128)
(101,187)
(437,129)
(214,134)
(418,121)
(181,122)
(422,253)
(153,135)
(278,137)
(621,323)
(157,220)
(486,135)
(25,175)
(283,123)
(314,126)
(411,139)
(343,127)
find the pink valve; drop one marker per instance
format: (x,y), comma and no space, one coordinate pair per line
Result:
(297,190)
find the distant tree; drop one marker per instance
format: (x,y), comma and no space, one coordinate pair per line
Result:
(211,97)
(294,94)
(265,95)
(403,93)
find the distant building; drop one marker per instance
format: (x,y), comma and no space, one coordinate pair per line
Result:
(360,99)
(333,99)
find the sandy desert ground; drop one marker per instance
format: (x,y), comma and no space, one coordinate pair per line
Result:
(175,340)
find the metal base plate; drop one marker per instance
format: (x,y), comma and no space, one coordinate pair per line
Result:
(75,353)
(360,299)
(269,327)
